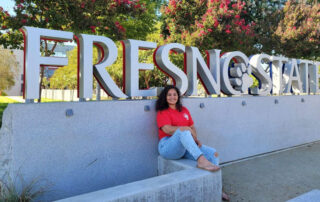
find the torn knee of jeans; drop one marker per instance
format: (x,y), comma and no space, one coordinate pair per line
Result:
(216,154)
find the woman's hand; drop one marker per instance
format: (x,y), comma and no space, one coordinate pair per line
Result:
(171,129)
(183,128)
(198,142)
(193,133)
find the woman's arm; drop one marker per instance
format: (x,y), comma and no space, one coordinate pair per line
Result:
(171,129)
(194,135)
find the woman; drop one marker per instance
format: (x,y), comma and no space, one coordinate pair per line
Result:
(177,134)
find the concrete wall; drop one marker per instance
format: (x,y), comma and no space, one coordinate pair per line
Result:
(246,126)
(109,143)
(102,145)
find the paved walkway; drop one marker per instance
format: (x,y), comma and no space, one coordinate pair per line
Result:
(276,177)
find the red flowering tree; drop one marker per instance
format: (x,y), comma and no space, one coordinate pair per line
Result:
(116,19)
(266,14)
(209,24)
(298,32)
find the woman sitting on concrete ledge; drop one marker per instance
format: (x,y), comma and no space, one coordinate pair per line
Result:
(177,134)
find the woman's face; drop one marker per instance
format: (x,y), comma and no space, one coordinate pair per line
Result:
(172,97)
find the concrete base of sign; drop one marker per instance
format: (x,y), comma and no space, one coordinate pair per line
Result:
(312,196)
(179,180)
(81,147)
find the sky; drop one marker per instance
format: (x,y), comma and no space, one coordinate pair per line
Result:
(7,5)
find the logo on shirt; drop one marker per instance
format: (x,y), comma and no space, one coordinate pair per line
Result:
(186,116)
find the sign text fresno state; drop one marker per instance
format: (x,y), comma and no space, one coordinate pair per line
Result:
(299,76)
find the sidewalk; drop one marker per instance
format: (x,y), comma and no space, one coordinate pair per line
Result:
(276,177)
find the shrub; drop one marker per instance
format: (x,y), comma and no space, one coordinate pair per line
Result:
(9,191)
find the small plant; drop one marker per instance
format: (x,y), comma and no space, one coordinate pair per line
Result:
(27,193)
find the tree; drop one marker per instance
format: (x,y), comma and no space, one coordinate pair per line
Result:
(66,77)
(117,19)
(8,69)
(266,14)
(299,31)
(155,77)
(285,27)
(208,24)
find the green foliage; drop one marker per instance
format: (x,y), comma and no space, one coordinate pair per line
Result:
(115,19)
(152,78)
(299,31)
(290,28)
(8,69)
(4,99)
(66,77)
(208,25)
(266,14)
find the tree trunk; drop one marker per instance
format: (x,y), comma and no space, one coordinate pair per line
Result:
(41,82)
(146,81)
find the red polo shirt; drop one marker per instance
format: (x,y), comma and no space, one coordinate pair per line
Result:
(173,117)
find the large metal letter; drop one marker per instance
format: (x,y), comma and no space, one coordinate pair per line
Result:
(132,67)
(196,64)
(230,86)
(34,59)
(87,70)
(276,68)
(258,71)
(292,77)
(163,62)
(304,66)
(314,77)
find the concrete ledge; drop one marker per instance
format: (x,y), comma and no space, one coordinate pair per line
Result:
(179,180)
(312,196)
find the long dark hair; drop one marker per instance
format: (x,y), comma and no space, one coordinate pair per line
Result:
(162,103)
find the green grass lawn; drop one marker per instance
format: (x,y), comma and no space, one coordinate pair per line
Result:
(4,101)
(50,100)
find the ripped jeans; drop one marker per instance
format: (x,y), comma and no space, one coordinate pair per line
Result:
(182,145)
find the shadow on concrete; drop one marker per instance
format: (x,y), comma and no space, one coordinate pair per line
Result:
(278,176)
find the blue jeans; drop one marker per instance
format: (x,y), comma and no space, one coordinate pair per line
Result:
(182,145)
